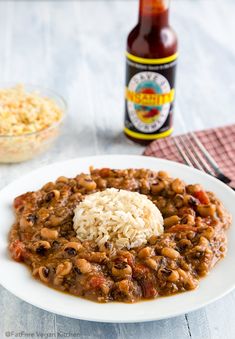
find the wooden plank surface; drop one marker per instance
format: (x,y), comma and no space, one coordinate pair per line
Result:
(77,48)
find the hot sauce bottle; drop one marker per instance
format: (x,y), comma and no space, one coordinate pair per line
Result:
(151,60)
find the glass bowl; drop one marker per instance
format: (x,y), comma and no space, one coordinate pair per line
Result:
(18,148)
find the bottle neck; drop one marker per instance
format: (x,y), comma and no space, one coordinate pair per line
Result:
(153,14)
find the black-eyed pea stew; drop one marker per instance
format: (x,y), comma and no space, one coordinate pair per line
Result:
(194,238)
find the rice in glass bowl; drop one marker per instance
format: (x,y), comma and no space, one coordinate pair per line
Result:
(30,121)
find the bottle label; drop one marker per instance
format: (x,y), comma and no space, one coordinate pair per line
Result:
(150,93)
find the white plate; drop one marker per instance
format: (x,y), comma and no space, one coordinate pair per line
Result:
(17,279)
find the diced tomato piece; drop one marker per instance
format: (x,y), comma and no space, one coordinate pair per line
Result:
(105,172)
(20,200)
(17,249)
(202,197)
(97,281)
(148,289)
(140,270)
(124,285)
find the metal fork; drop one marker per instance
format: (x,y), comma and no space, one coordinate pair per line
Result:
(187,147)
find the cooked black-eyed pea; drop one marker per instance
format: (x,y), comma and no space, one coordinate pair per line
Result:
(145,252)
(84,266)
(191,189)
(54,194)
(223,248)
(43,273)
(76,196)
(170,221)
(34,269)
(163,175)
(209,233)
(191,283)
(72,247)
(58,281)
(72,182)
(43,214)
(179,200)
(203,242)
(170,253)
(144,186)
(187,280)
(157,187)
(152,240)
(40,247)
(188,219)
(186,211)
(86,182)
(101,183)
(208,254)
(220,211)
(106,247)
(50,234)
(203,269)
(97,257)
(163,273)
(121,269)
(185,266)
(178,186)
(27,221)
(62,179)
(198,252)
(206,210)
(64,194)
(184,244)
(64,268)
(182,274)
(190,235)
(190,200)
(169,210)
(54,221)
(160,202)
(48,186)
(174,276)
(151,263)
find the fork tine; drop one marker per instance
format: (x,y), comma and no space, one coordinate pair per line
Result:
(200,159)
(204,151)
(182,153)
(189,152)
(210,160)
(193,158)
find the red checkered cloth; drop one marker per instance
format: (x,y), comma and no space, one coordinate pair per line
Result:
(219,142)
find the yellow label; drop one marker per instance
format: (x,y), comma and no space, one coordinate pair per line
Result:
(148,136)
(151,61)
(147,99)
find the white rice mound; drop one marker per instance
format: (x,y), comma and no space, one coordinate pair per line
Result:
(126,219)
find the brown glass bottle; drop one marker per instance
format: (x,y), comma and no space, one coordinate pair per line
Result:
(150,74)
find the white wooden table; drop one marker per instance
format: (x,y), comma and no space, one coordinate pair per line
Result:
(77,48)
